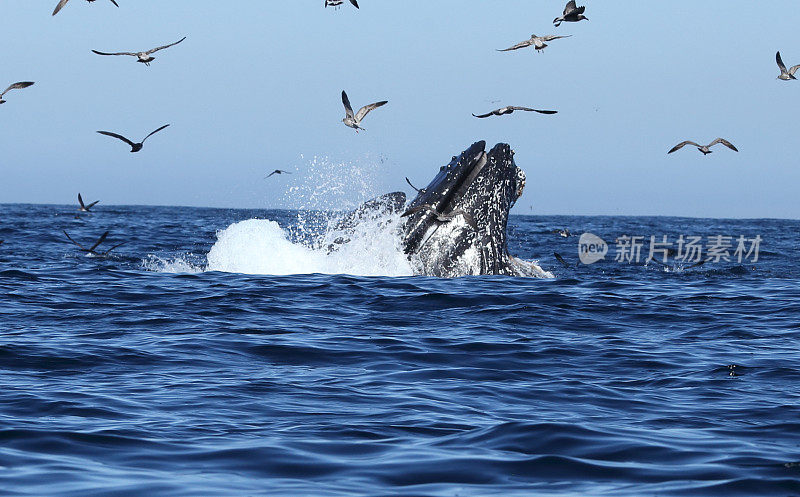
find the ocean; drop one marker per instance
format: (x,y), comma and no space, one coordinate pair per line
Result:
(234,352)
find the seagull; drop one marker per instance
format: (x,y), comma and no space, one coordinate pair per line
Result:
(442,218)
(277,171)
(15,86)
(538,42)
(704,148)
(565,232)
(92,250)
(785,75)
(354,121)
(572,13)
(135,147)
(511,108)
(337,3)
(83,207)
(62,3)
(143,57)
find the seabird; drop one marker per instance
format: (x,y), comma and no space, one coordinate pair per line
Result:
(443,217)
(143,57)
(704,148)
(572,13)
(277,171)
(135,147)
(62,3)
(15,86)
(785,75)
(337,3)
(511,108)
(538,42)
(92,250)
(83,207)
(565,232)
(561,259)
(354,121)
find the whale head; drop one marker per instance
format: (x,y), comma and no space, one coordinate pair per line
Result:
(457,224)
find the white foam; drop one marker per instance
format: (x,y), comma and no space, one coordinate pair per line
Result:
(261,246)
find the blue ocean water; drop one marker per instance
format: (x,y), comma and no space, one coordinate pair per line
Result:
(142,374)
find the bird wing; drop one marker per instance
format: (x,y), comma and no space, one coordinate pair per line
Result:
(154,132)
(570,7)
(355,3)
(724,142)
(80,201)
(70,238)
(363,111)
(118,137)
(519,45)
(153,50)
(423,207)
(99,241)
(514,107)
(113,53)
(115,3)
(484,115)
(17,86)
(348,109)
(60,5)
(112,248)
(681,145)
(794,69)
(92,205)
(554,37)
(780,61)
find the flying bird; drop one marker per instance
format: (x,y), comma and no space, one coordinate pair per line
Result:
(337,3)
(92,250)
(15,86)
(83,207)
(135,147)
(277,171)
(510,109)
(786,75)
(704,148)
(62,3)
(538,42)
(144,57)
(354,121)
(419,190)
(572,13)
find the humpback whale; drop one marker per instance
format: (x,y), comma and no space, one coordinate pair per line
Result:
(456,226)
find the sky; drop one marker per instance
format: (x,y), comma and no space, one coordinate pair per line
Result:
(256,86)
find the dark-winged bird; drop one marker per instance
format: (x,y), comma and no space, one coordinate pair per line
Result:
(15,86)
(83,207)
(135,147)
(785,75)
(338,3)
(354,120)
(510,109)
(62,3)
(143,57)
(91,250)
(704,148)
(572,13)
(277,171)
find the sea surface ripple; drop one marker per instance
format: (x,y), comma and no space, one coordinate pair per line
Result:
(142,374)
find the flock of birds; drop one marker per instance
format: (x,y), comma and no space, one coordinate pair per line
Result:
(572,13)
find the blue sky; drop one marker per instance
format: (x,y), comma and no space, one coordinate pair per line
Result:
(256,86)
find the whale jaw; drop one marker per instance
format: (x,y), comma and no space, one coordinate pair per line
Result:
(457,225)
